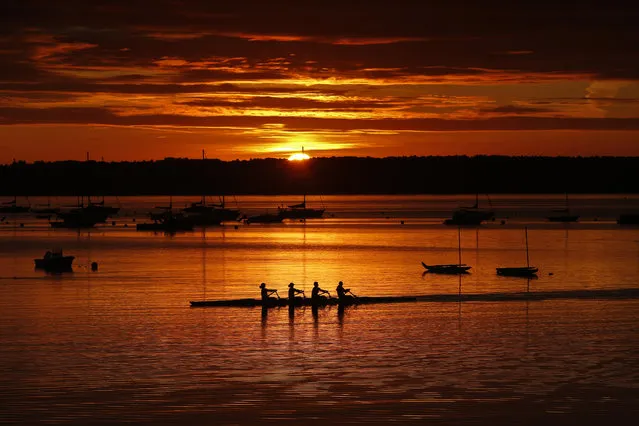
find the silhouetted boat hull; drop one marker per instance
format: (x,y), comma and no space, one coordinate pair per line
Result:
(204,214)
(14,209)
(447,269)
(563,218)
(265,218)
(464,221)
(74,222)
(607,294)
(628,219)
(165,227)
(301,213)
(49,211)
(82,217)
(470,216)
(54,262)
(204,219)
(71,225)
(301,302)
(518,271)
(167,221)
(100,210)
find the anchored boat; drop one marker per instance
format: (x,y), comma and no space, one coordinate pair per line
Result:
(300,211)
(166,221)
(520,271)
(563,215)
(450,269)
(54,261)
(471,216)
(265,218)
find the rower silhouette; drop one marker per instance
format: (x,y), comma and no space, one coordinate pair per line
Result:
(266,293)
(316,294)
(292,291)
(344,298)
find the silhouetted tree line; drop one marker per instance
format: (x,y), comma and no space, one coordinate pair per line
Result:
(336,175)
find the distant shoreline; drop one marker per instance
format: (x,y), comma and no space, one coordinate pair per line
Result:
(326,176)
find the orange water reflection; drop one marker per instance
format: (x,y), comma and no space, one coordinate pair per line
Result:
(121,343)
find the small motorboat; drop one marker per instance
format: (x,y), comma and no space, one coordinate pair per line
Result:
(54,261)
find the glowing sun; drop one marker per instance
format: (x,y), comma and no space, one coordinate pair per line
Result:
(298,157)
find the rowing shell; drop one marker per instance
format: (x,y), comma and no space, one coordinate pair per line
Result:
(603,294)
(302,302)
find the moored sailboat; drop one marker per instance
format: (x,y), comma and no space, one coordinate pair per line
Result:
(82,216)
(563,215)
(265,218)
(470,216)
(450,269)
(45,210)
(300,211)
(201,213)
(13,207)
(628,219)
(520,271)
(166,221)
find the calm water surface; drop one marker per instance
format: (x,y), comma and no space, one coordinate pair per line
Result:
(122,345)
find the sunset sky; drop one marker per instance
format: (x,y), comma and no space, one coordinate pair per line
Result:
(133,80)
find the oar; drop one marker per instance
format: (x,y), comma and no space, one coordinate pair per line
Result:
(355,296)
(277,294)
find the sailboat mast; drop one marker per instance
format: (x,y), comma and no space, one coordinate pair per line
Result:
(459,243)
(527,258)
(203,199)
